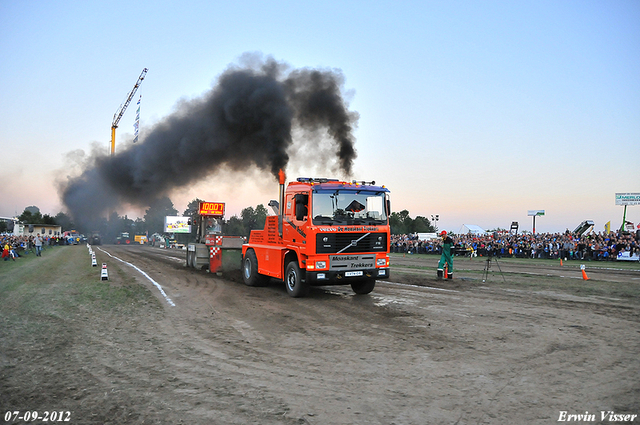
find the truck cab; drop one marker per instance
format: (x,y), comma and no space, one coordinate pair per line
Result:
(328,232)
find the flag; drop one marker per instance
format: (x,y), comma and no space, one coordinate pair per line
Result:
(607,227)
(136,125)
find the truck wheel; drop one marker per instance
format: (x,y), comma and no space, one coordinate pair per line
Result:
(296,286)
(250,274)
(363,287)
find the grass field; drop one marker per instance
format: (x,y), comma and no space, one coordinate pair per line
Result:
(43,298)
(533,275)
(64,280)
(529,262)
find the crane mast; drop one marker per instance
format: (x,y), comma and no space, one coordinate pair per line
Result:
(120,112)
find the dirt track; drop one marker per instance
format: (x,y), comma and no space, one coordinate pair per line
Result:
(460,353)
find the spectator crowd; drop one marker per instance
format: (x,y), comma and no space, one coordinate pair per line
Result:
(14,247)
(566,246)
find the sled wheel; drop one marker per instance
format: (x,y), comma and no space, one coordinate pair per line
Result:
(363,287)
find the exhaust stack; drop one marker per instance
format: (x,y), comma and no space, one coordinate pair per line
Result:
(281,179)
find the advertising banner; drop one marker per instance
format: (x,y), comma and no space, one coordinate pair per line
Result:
(175,224)
(627,198)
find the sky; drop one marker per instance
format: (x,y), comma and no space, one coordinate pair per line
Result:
(477,111)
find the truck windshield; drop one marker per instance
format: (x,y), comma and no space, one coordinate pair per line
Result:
(211,226)
(349,207)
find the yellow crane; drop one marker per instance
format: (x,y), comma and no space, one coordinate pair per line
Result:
(120,112)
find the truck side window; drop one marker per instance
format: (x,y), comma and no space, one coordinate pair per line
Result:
(302,209)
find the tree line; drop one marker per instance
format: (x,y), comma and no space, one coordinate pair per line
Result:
(401,224)
(153,221)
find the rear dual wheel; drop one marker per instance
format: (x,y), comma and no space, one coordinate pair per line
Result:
(250,274)
(192,260)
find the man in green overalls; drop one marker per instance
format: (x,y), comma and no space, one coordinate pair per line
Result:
(446,258)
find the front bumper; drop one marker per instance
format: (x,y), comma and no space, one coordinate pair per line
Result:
(328,277)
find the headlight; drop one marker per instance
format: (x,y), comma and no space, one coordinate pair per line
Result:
(382,261)
(321,264)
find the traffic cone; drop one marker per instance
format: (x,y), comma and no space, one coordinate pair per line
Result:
(584,273)
(104,275)
(446,274)
(561,262)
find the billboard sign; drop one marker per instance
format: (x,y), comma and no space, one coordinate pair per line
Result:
(535,212)
(175,224)
(627,198)
(215,209)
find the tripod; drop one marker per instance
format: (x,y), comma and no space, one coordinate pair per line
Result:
(487,269)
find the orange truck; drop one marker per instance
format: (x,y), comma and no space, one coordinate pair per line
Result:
(327,232)
(212,250)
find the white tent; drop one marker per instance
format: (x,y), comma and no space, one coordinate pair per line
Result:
(427,236)
(471,228)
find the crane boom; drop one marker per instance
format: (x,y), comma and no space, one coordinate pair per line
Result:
(120,112)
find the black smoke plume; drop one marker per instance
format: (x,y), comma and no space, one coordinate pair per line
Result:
(246,119)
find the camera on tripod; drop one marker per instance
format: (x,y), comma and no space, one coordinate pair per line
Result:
(487,266)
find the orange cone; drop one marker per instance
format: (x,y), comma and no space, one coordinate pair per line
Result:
(584,273)
(561,262)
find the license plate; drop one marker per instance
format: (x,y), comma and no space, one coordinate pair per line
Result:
(351,274)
